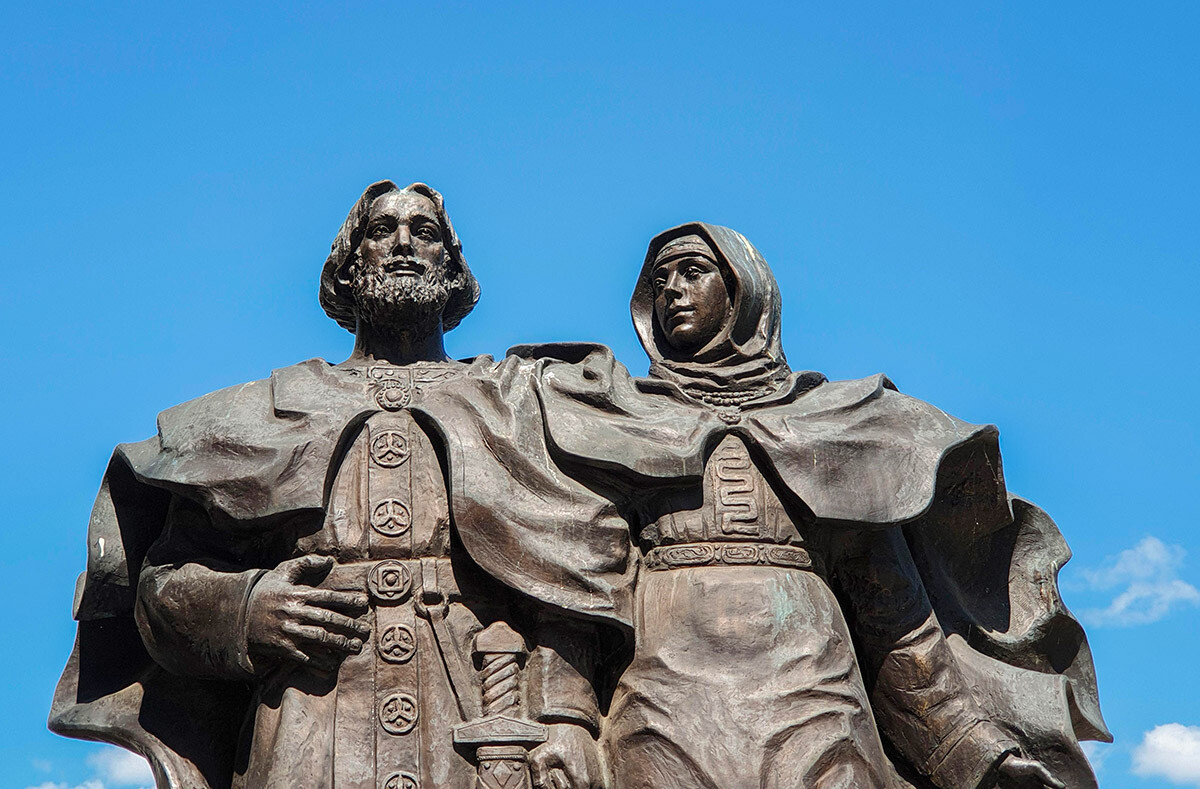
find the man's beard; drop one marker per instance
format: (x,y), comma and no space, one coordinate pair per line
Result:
(392,304)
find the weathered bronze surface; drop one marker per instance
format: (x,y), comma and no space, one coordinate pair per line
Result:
(404,571)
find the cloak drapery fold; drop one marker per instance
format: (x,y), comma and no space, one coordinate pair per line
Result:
(262,456)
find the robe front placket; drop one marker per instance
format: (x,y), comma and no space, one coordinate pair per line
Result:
(380,693)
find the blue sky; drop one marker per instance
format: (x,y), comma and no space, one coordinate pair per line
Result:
(997,207)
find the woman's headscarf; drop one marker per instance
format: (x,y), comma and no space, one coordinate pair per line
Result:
(745,360)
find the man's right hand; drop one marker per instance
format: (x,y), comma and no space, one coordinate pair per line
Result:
(288,618)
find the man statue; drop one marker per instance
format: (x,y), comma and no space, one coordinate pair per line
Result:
(836,589)
(352,575)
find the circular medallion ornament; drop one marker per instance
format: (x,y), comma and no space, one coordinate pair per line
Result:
(392,395)
(398,713)
(391,518)
(397,644)
(400,781)
(389,581)
(389,448)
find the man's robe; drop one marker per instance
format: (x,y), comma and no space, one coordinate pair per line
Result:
(264,454)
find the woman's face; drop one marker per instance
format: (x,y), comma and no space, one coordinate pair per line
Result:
(691,299)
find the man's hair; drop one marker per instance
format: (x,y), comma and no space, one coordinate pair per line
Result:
(336,298)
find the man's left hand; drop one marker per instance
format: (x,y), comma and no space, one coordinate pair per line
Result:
(569,759)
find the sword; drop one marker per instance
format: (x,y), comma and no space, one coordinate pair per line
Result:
(503,736)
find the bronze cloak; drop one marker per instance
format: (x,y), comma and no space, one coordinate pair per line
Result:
(264,454)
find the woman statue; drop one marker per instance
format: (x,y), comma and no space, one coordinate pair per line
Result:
(835,588)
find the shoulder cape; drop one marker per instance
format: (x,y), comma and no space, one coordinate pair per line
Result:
(859,454)
(265,451)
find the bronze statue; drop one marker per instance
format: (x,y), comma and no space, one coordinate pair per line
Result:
(330,569)
(408,572)
(835,587)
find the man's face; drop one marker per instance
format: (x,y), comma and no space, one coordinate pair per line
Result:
(404,237)
(691,300)
(401,273)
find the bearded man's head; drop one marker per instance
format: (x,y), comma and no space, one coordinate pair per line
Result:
(397,264)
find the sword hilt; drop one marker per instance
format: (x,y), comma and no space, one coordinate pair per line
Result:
(503,736)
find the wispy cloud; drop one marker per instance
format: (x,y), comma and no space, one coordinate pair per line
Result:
(111,767)
(1170,751)
(1097,753)
(120,767)
(1148,585)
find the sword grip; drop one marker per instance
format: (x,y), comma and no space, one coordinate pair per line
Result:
(500,650)
(501,684)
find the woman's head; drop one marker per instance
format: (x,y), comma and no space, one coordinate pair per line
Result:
(692,298)
(706,308)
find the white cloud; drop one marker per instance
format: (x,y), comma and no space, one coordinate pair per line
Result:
(1148,578)
(1170,751)
(1096,753)
(111,767)
(121,767)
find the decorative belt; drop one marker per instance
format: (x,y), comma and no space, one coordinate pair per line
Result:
(392,581)
(700,554)
(431,586)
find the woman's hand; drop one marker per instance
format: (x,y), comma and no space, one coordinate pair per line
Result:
(569,759)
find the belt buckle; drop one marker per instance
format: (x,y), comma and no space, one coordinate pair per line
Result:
(389,582)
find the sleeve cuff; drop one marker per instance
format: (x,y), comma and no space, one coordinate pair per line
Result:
(558,693)
(241,659)
(967,760)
